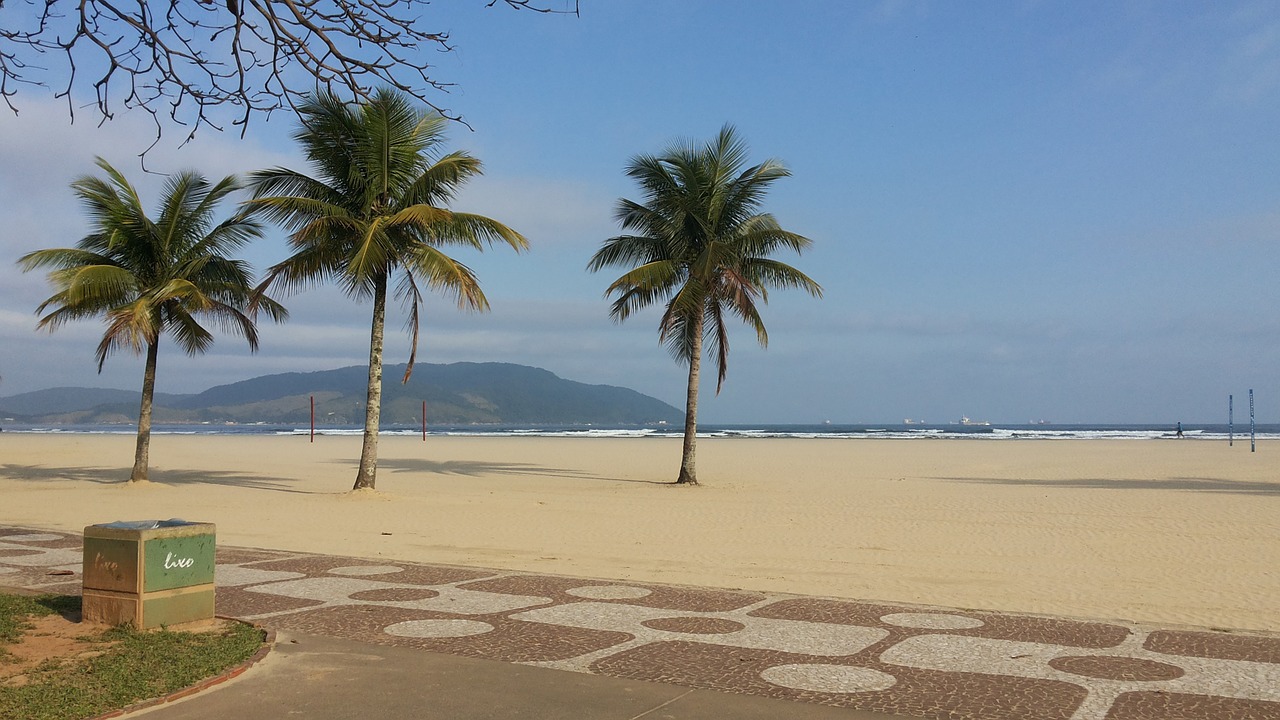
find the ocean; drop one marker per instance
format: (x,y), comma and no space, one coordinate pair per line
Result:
(896,431)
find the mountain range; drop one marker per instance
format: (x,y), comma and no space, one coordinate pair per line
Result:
(457,393)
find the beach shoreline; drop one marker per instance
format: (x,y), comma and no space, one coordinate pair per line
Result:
(1159,532)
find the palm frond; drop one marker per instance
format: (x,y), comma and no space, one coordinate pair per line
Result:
(445,274)
(190,335)
(440,182)
(698,240)
(766,272)
(478,231)
(407,291)
(627,250)
(95,286)
(718,334)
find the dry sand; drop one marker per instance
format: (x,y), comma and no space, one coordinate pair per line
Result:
(1184,532)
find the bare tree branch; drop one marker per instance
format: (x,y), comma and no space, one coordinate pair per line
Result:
(198,63)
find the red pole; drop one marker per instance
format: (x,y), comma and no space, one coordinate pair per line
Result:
(424,421)
(313,418)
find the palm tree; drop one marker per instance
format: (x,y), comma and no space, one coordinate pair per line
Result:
(700,244)
(150,277)
(375,209)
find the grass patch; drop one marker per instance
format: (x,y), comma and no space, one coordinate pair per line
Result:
(133,666)
(16,609)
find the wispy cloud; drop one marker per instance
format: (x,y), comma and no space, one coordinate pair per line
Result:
(1250,68)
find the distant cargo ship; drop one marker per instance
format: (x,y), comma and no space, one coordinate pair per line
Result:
(969,421)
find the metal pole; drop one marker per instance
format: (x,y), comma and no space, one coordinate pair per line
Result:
(313,418)
(1231,421)
(424,421)
(1252,426)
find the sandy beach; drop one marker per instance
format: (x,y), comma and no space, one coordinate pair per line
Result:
(1184,532)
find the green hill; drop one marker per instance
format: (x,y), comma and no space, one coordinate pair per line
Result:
(459,393)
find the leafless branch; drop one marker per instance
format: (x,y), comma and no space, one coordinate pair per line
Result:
(197,63)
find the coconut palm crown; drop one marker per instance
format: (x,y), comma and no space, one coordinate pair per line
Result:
(699,244)
(372,211)
(149,278)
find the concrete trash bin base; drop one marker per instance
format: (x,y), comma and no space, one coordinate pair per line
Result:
(150,573)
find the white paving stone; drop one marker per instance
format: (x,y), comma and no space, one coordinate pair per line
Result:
(828,678)
(360,570)
(338,591)
(760,633)
(438,628)
(44,557)
(1202,676)
(609,592)
(933,621)
(237,575)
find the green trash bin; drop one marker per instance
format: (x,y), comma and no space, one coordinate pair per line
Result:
(150,573)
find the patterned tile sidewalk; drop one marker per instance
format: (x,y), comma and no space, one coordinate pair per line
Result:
(896,659)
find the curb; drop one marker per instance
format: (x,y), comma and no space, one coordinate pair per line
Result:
(268,644)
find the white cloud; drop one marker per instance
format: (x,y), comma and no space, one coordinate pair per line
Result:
(549,212)
(1250,69)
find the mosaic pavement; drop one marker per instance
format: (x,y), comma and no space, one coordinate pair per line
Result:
(897,659)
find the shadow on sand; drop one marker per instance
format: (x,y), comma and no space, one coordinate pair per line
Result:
(120,476)
(470,468)
(1206,485)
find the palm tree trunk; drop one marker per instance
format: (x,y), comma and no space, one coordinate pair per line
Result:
(142,456)
(365,476)
(688,460)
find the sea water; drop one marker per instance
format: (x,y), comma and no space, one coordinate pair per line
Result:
(825,431)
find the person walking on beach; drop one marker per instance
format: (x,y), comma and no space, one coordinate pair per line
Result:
(1179,433)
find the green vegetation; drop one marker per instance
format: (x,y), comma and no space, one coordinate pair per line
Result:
(457,393)
(16,609)
(700,245)
(133,666)
(150,277)
(376,211)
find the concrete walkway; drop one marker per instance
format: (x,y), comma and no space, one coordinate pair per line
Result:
(324,678)
(501,643)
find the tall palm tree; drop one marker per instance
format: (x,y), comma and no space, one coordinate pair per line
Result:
(700,244)
(151,277)
(375,209)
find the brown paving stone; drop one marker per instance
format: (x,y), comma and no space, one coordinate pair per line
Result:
(10,530)
(410,573)
(509,641)
(660,596)
(18,552)
(915,692)
(1218,645)
(1179,706)
(237,602)
(1117,668)
(63,540)
(694,625)
(997,626)
(910,691)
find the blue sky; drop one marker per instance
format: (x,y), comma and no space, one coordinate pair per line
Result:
(1062,211)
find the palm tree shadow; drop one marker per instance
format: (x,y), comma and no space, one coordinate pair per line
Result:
(120,476)
(1206,485)
(471,468)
